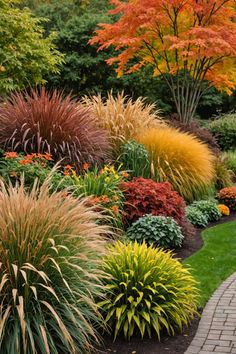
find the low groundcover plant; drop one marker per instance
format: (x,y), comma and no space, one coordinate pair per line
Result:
(160,230)
(148,290)
(49,251)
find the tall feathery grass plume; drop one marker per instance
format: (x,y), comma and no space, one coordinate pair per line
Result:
(50,250)
(50,122)
(123,117)
(181,159)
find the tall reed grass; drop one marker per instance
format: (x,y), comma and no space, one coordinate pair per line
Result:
(50,248)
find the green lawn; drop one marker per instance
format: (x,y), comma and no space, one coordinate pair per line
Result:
(216,260)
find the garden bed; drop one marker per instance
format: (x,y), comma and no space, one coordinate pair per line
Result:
(168,345)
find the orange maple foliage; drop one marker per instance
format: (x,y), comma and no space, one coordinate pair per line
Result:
(195,36)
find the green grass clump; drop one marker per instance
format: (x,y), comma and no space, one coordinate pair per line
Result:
(216,260)
(230,157)
(134,158)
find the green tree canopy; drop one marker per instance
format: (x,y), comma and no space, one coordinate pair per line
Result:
(26,56)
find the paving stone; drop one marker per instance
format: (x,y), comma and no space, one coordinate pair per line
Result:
(217,328)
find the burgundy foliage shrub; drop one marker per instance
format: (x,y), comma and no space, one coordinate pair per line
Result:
(45,122)
(144,196)
(194,128)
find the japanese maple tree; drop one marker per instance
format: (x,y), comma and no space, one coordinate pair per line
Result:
(193,40)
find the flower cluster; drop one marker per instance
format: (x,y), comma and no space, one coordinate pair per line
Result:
(28,159)
(31,166)
(227,196)
(223,209)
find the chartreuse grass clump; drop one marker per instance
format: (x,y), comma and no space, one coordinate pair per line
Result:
(147,291)
(50,247)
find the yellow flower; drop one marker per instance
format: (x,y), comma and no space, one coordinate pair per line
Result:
(224,209)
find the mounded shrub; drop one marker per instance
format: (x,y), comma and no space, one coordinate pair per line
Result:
(208,208)
(162,231)
(134,158)
(227,196)
(180,159)
(224,129)
(50,247)
(147,291)
(144,196)
(122,117)
(45,122)
(196,217)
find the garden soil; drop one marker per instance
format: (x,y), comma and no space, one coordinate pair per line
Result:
(168,345)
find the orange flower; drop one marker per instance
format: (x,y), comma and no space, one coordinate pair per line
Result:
(66,173)
(125,174)
(68,167)
(115,209)
(94,200)
(105,199)
(30,156)
(85,166)
(26,161)
(11,155)
(48,157)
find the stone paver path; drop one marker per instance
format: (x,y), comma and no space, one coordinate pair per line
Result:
(217,328)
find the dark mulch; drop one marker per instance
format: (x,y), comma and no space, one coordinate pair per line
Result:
(168,345)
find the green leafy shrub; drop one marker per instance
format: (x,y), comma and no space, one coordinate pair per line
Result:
(208,208)
(50,248)
(160,230)
(230,160)
(196,216)
(224,129)
(135,159)
(147,290)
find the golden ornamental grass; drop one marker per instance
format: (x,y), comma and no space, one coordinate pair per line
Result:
(122,117)
(181,159)
(50,248)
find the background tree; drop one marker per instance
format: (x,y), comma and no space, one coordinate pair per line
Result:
(194,40)
(25,55)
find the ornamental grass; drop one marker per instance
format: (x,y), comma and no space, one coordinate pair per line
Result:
(122,117)
(180,159)
(48,122)
(50,249)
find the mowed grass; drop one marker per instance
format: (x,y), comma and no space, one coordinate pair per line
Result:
(216,261)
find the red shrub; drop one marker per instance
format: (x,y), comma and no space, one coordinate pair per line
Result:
(227,196)
(51,123)
(144,196)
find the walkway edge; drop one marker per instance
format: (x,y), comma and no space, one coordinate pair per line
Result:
(216,330)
